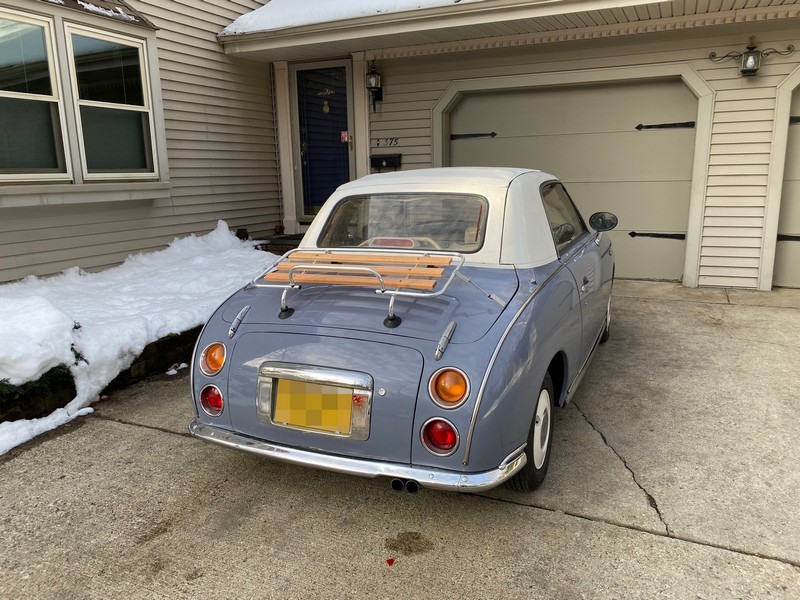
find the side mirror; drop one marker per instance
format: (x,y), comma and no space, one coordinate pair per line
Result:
(603,221)
(563,233)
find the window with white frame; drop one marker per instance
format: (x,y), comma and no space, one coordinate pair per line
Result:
(31,115)
(113,106)
(58,77)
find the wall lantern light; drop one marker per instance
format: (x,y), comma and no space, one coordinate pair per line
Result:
(750,59)
(373,85)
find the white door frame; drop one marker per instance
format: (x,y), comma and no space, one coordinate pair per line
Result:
(692,79)
(285,111)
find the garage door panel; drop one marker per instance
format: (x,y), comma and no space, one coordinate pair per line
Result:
(628,156)
(643,206)
(790,208)
(647,258)
(787,259)
(787,252)
(586,136)
(577,109)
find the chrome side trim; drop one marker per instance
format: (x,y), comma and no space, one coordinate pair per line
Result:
(579,377)
(425,476)
(493,359)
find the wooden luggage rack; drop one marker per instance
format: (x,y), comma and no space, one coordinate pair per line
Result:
(391,272)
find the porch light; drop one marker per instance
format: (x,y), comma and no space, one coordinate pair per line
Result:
(750,59)
(373,85)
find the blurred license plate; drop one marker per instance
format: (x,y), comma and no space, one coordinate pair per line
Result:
(313,406)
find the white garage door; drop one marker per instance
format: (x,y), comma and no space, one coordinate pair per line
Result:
(587,136)
(787,252)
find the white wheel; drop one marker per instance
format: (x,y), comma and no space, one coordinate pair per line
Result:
(540,442)
(541,428)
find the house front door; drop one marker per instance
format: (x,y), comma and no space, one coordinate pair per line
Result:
(324,143)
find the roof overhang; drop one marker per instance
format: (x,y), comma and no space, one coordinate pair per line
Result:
(546,20)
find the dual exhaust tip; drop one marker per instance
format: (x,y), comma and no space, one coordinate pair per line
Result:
(409,485)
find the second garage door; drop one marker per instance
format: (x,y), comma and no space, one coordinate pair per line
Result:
(627,148)
(787,252)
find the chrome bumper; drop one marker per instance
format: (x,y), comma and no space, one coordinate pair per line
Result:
(425,477)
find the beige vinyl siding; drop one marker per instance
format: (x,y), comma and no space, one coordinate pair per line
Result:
(219,119)
(220,140)
(739,153)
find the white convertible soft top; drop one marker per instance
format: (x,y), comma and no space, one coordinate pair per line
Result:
(517,231)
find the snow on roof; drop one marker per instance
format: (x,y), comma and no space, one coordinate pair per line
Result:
(285,14)
(98,323)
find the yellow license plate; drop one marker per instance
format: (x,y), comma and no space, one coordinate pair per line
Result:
(313,406)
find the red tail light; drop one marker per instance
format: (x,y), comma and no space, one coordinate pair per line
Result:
(211,400)
(440,437)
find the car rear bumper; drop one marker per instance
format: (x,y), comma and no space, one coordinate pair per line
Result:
(425,477)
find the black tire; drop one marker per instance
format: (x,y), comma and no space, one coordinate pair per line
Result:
(606,334)
(530,477)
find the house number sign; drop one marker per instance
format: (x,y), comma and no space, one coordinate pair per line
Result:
(381,142)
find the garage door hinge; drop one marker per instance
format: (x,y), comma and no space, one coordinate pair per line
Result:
(663,236)
(466,136)
(684,125)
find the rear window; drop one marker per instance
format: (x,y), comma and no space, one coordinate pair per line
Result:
(454,222)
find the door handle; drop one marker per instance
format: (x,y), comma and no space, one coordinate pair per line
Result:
(586,284)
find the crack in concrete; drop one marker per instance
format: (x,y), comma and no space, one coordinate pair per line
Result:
(650,499)
(679,538)
(132,424)
(592,519)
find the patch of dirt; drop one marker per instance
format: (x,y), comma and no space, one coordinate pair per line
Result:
(409,542)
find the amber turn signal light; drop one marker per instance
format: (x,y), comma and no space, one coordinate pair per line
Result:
(212,359)
(449,387)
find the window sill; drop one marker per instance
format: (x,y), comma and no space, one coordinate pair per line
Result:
(40,194)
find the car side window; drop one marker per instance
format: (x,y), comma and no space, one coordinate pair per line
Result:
(565,221)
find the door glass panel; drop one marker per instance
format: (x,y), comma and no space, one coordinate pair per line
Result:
(322,116)
(23,59)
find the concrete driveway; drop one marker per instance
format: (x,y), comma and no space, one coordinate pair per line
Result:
(674,475)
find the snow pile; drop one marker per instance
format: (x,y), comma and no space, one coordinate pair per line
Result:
(27,352)
(98,323)
(283,14)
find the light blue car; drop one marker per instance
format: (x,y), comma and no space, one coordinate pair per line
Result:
(423,331)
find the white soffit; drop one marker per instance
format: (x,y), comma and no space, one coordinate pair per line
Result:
(506,21)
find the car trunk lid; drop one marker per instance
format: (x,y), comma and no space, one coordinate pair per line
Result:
(477,296)
(330,394)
